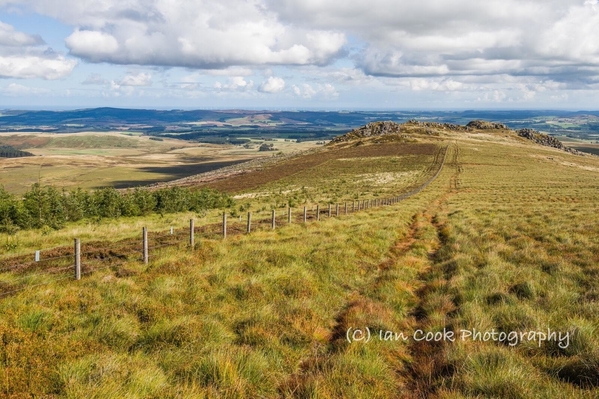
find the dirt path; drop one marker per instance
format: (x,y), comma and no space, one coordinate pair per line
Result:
(418,271)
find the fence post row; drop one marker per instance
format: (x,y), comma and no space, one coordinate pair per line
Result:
(77,259)
(364,205)
(145,245)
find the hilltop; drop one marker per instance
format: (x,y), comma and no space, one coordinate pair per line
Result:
(386,128)
(373,133)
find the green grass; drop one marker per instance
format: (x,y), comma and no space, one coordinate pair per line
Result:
(506,238)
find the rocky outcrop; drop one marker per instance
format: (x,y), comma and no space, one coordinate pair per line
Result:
(436,125)
(433,128)
(484,125)
(370,130)
(546,140)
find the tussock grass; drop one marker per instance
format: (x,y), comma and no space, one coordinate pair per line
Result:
(501,240)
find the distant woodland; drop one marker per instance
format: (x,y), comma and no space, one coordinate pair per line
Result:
(49,206)
(10,152)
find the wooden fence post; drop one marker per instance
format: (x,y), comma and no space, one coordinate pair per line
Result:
(317,212)
(273,219)
(353,206)
(337,210)
(305,215)
(346,207)
(289,215)
(249,222)
(224,224)
(192,229)
(330,210)
(77,259)
(145,245)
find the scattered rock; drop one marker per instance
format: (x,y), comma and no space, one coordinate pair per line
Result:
(436,125)
(370,130)
(546,140)
(484,125)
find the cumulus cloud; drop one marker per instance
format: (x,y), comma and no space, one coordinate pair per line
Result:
(24,56)
(136,79)
(272,85)
(26,66)
(325,91)
(10,37)
(429,38)
(425,45)
(235,83)
(15,89)
(206,34)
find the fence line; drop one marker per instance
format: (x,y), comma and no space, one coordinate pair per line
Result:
(104,254)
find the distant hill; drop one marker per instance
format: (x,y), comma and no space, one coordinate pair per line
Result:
(300,125)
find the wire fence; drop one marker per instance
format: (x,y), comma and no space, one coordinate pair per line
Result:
(72,262)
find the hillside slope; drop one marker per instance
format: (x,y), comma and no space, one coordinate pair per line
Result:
(505,239)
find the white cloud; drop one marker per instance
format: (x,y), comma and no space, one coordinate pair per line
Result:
(428,38)
(206,34)
(10,37)
(235,83)
(325,91)
(505,49)
(15,89)
(92,45)
(136,79)
(22,56)
(272,85)
(27,66)
(306,91)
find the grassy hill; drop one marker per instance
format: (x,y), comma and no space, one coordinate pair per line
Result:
(505,239)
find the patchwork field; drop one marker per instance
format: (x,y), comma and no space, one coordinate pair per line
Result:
(91,160)
(504,240)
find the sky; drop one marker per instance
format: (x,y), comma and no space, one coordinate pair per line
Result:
(299,54)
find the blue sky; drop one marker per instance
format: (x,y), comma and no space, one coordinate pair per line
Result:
(308,54)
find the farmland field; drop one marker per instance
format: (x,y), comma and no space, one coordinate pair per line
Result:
(92,160)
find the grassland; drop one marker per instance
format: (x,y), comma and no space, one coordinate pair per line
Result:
(505,238)
(91,160)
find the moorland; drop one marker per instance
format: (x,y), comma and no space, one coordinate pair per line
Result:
(503,236)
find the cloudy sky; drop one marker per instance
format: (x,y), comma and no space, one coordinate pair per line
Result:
(300,54)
